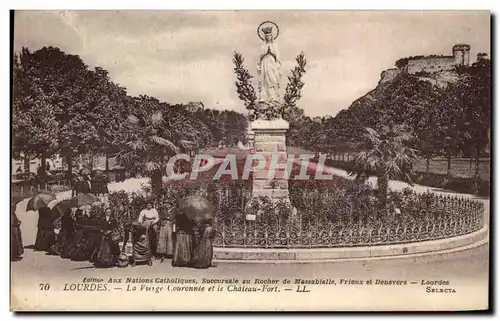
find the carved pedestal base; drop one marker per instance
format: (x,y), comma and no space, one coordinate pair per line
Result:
(272,181)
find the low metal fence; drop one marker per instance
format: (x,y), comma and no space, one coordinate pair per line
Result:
(429,217)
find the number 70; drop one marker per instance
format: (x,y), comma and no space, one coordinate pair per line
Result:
(44,286)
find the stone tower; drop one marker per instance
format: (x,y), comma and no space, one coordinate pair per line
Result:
(461,52)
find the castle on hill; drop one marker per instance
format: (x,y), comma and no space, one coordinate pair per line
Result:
(434,63)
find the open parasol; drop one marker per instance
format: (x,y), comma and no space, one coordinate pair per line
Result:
(98,173)
(84,171)
(39,200)
(84,199)
(197,207)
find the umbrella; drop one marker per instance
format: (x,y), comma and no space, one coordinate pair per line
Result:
(84,199)
(98,173)
(61,207)
(53,203)
(197,207)
(84,171)
(39,200)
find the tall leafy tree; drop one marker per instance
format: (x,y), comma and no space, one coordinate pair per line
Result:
(61,95)
(474,93)
(110,115)
(152,138)
(34,116)
(234,126)
(386,153)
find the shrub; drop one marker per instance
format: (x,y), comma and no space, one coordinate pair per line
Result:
(334,208)
(345,202)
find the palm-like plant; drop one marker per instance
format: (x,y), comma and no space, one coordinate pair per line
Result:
(386,154)
(150,142)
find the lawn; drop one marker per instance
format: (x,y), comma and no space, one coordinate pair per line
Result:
(460,167)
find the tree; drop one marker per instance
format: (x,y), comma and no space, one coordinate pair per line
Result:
(386,154)
(110,115)
(443,133)
(474,93)
(210,118)
(34,116)
(187,126)
(432,118)
(62,106)
(152,138)
(233,127)
(56,102)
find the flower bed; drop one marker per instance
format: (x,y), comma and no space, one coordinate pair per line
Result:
(340,213)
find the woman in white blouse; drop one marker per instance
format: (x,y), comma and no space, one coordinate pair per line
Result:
(150,217)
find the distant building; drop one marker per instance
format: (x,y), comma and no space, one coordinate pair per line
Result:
(100,162)
(432,64)
(33,164)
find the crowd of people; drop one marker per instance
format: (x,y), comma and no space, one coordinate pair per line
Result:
(97,184)
(79,236)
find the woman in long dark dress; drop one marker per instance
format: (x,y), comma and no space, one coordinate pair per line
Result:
(183,246)
(103,184)
(87,239)
(67,234)
(93,239)
(141,244)
(45,236)
(78,235)
(108,250)
(203,252)
(165,244)
(16,242)
(56,249)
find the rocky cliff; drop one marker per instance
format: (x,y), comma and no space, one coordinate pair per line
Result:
(397,98)
(389,75)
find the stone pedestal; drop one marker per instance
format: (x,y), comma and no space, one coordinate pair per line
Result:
(270,142)
(250,137)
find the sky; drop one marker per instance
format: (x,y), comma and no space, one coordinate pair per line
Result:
(185,56)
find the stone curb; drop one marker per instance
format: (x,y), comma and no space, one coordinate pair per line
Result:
(255,255)
(420,257)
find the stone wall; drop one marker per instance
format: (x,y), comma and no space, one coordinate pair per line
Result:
(431,64)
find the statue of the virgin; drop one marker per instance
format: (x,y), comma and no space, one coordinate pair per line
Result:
(269,64)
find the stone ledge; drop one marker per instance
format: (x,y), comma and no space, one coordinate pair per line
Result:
(256,255)
(275,124)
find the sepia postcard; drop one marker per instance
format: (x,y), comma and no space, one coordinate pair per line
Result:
(250,161)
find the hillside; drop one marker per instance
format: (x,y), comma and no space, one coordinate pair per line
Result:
(399,98)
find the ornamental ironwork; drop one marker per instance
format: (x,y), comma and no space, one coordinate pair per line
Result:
(442,217)
(326,217)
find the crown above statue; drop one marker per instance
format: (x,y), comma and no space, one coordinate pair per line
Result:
(266,28)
